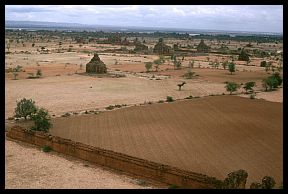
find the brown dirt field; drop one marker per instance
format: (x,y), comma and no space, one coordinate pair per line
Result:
(211,135)
(27,167)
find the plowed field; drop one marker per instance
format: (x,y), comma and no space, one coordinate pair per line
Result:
(211,135)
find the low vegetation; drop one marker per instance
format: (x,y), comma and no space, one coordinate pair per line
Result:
(231,87)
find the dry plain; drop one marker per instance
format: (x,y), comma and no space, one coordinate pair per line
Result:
(211,135)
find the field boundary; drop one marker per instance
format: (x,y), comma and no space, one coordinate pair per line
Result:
(132,165)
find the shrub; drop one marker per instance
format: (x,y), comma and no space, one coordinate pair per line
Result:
(42,120)
(148,66)
(249,86)
(272,81)
(231,67)
(46,149)
(268,182)
(169,99)
(25,108)
(263,64)
(173,187)
(161,101)
(243,56)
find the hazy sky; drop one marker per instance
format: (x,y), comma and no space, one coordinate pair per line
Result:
(262,18)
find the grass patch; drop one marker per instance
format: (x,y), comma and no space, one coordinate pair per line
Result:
(46,149)
(169,99)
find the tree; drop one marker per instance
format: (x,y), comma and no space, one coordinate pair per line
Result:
(249,86)
(25,108)
(148,66)
(235,180)
(263,64)
(224,64)
(180,85)
(231,67)
(272,81)
(158,62)
(42,120)
(268,182)
(243,56)
(231,87)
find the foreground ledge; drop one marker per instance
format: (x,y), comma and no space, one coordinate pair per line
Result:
(132,165)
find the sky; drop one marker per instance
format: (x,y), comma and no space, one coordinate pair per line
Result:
(257,18)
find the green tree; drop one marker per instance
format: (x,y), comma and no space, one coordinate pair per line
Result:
(159,62)
(263,64)
(272,81)
(235,180)
(42,120)
(243,56)
(148,66)
(268,182)
(231,67)
(249,86)
(25,108)
(231,87)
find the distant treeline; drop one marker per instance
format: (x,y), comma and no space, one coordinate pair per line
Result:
(101,34)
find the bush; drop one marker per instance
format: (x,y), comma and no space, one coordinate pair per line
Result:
(46,149)
(148,66)
(231,67)
(272,81)
(161,101)
(169,99)
(173,187)
(263,64)
(268,182)
(25,108)
(249,86)
(42,120)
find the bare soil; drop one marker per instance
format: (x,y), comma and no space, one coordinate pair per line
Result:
(27,167)
(211,135)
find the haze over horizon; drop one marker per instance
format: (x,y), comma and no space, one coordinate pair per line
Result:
(252,18)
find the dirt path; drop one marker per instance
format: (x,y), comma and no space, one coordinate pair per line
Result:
(27,167)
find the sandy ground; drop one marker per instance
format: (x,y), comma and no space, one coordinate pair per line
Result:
(62,94)
(211,135)
(27,167)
